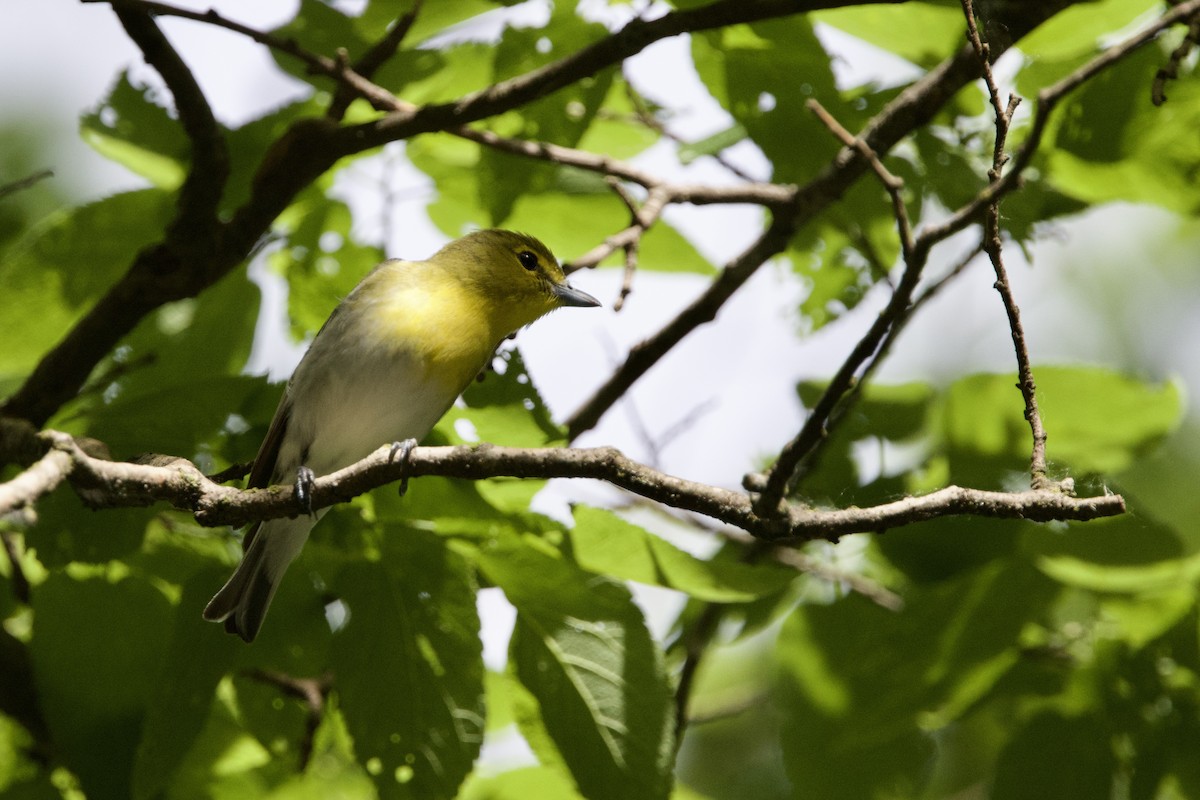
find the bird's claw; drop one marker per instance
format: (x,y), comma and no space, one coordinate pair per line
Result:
(305,481)
(404,450)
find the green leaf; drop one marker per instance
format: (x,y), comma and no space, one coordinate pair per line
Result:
(1079,30)
(249,145)
(67,531)
(581,647)
(1056,756)
(841,258)
(175,419)
(568,219)
(616,130)
(505,408)
(603,543)
(1143,618)
(319,28)
(96,633)
(59,269)
(197,657)
(527,783)
(863,687)
(133,130)
(433,18)
(1133,150)
(427,77)
(1156,577)
(1097,421)
(560,118)
(763,74)
(331,771)
(409,666)
(711,145)
(322,261)
(923,33)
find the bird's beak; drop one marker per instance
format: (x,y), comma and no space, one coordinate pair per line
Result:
(568,296)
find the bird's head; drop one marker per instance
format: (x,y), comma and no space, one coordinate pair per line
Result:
(515,275)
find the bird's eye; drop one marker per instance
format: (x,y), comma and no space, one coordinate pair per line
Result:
(528,260)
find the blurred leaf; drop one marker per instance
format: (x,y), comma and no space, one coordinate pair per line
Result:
(319,28)
(1131,150)
(1077,29)
(762,74)
(409,666)
(197,657)
(64,264)
(882,419)
(943,548)
(132,129)
(1056,756)
(525,783)
(1145,617)
(174,420)
(321,261)
(1154,577)
(570,223)
(505,408)
(711,145)
(1097,421)
(81,644)
(919,32)
(438,76)
(603,543)
(1128,540)
(249,145)
(863,687)
(615,130)
(839,260)
(560,118)
(67,531)
(331,772)
(582,649)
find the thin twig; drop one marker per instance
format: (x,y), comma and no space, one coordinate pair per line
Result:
(778,479)
(913,107)
(1158,89)
(373,59)
(1047,101)
(994,248)
(310,691)
(16,577)
(893,185)
(22,184)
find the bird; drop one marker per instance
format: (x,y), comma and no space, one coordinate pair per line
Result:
(391,359)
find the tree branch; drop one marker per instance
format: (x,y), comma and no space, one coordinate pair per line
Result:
(185,261)
(373,59)
(783,472)
(913,107)
(110,484)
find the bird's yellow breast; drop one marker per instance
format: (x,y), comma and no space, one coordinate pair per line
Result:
(443,324)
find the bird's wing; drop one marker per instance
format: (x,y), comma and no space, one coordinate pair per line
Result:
(263,470)
(264,463)
(268,452)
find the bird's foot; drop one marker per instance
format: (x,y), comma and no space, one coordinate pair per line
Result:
(305,483)
(404,450)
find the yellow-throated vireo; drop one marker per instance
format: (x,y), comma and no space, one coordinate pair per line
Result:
(387,364)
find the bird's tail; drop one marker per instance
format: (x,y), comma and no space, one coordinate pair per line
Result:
(243,601)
